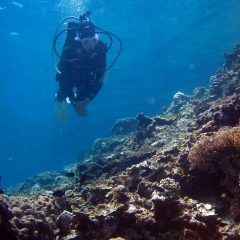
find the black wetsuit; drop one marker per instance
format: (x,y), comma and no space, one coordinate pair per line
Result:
(84,70)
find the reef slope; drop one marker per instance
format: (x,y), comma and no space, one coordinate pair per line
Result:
(173,176)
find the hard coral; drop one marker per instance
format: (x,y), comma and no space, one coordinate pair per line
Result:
(222,148)
(124,126)
(220,153)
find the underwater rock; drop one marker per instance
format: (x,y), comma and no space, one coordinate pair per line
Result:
(146,125)
(206,210)
(201,220)
(63,221)
(107,145)
(99,222)
(81,167)
(164,198)
(199,92)
(6,229)
(169,190)
(96,195)
(227,78)
(179,99)
(30,219)
(124,126)
(201,107)
(128,182)
(40,181)
(221,113)
(99,146)
(232,58)
(145,188)
(144,120)
(215,87)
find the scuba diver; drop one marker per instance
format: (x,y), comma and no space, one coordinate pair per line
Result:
(82,66)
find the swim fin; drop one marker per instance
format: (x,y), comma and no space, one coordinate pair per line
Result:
(60,114)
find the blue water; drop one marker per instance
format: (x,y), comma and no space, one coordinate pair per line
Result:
(168,46)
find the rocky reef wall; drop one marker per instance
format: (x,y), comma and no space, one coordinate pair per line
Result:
(173,176)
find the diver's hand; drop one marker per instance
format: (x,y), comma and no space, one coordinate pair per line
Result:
(80,107)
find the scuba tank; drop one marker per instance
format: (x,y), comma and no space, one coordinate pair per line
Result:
(71,35)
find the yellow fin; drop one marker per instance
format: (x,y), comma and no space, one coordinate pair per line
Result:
(60,114)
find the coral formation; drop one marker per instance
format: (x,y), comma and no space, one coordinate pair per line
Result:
(124,126)
(172,176)
(179,100)
(221,148)
(220,152)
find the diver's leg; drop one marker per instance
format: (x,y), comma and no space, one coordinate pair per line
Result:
(84,87)
(82,100)
(81,92)
(65,90)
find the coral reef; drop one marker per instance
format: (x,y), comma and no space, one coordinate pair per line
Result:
(124,126)
(172,176)
(179,100)
(220,153)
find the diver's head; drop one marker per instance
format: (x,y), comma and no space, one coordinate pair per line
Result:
(86,35)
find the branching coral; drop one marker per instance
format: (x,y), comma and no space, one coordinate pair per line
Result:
(220,151)
(222,148)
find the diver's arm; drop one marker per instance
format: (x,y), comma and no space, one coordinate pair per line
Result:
(80,106)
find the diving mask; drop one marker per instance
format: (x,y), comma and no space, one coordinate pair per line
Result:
(88,42)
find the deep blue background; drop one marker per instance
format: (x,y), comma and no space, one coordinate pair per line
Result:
(168,46)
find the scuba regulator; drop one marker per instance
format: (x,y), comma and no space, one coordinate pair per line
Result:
(72,31)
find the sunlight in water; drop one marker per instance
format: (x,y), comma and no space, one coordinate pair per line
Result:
(72,7)
(65,7)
